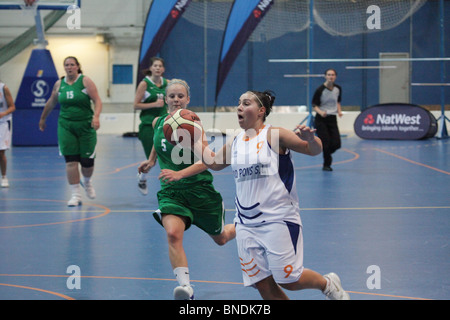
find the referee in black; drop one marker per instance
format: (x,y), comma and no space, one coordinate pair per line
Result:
(327,104)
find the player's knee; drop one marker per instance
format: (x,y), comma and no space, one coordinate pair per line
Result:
(174,226)
(174,236)
(220,240)
(87,162)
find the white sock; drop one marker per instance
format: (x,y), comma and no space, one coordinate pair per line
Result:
(182,275)
(327,287)
(75,189)
(86,180)
(143,176)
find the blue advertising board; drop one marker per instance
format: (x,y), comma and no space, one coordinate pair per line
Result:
(34,91)
(395,121)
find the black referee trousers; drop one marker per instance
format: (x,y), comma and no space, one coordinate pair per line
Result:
(328,132)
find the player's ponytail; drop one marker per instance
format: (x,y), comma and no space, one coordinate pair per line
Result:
(265,99)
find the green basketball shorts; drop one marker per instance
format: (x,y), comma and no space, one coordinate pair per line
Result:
(77,138)
(201,203)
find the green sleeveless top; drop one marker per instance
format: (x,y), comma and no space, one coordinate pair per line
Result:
(75,104)
(151,95)
(174,158)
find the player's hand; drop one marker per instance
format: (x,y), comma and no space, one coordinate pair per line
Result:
(145,166)
(42,125)
(305,133)
(168,175)
(95,123)
(160,101)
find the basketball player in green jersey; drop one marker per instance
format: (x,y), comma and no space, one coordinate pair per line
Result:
(187,194)
(77,125)
(150,100)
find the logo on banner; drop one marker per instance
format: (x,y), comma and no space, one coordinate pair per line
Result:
(264,4)
(260,8)
(369,119)
(392,122)
(40,90)
(180,5)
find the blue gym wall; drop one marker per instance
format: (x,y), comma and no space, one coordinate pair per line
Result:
(184,55)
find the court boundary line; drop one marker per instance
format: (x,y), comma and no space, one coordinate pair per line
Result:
(192,280)
(411,161)
(38,289)
(376,208)
(355,157)
(232,210)
(105,212)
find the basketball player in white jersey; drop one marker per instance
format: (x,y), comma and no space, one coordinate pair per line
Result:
(7,107)
(268,224)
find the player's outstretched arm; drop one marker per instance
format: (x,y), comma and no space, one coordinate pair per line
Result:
(213,160)
(302,140)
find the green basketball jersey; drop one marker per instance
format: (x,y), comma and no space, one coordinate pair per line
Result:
(174,158)
(75,103)
(151,95)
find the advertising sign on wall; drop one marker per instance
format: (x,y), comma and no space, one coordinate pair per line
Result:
(395,121)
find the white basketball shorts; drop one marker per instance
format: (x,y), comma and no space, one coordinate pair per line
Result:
(270,249)
(5,136)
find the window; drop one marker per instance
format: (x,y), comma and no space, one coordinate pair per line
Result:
(122,74)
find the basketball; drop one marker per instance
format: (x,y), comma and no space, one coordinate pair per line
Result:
(182,125)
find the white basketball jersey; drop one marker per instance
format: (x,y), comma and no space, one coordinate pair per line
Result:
(3,103)
(265,182)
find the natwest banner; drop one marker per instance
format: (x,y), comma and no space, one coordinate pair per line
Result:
(244,17)
(161,18)
(396,121)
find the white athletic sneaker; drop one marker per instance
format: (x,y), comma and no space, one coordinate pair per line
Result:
(334,290)
(142,185)
(90,191)
(75,201)
(183,293)
(5,183)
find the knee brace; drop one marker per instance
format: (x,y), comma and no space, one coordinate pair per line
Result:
(87,162)
(74,158)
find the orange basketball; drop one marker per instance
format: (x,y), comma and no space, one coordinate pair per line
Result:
(182,126)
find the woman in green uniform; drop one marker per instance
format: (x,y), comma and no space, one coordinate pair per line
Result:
(149,99)
(77,125)
(187,194)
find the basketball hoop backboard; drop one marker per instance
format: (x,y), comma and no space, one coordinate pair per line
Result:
(41,4)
